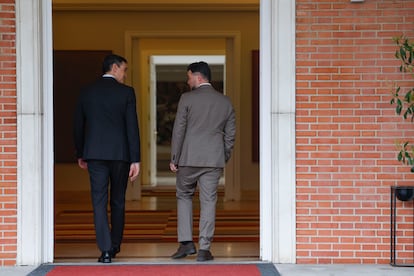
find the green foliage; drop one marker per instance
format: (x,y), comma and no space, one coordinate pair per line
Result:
(406,153)
(404,104)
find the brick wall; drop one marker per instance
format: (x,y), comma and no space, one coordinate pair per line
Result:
(8,134)
(346,130)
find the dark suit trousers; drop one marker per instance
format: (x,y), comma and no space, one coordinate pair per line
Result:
(104,175)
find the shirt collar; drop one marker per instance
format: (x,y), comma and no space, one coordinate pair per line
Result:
(204,84)
(108,76)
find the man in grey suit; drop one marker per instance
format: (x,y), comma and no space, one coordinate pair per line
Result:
(202,142)
(107,142)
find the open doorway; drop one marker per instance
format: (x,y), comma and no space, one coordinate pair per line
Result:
(167,83)
(277,183)
(74,234)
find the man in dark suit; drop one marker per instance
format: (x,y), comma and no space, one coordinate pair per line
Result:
(202,142)
(107,142)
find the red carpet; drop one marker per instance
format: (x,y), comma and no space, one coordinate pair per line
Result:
(160,270)
(265,269)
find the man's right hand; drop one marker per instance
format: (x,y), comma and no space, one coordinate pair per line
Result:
(134,171)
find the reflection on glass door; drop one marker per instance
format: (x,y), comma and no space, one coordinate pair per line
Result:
(170,85)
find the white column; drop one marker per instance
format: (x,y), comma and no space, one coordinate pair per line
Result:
(35,131)
(277,131)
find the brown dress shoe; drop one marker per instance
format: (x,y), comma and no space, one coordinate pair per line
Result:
(204,255)
(184,250)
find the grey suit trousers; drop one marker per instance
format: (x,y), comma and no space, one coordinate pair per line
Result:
(187,179)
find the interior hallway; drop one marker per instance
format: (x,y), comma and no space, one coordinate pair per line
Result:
(237,239)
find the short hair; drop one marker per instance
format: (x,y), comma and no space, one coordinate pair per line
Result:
(202,68)
(112,59)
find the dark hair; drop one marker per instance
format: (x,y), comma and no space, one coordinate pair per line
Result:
(111,59)
(202,68)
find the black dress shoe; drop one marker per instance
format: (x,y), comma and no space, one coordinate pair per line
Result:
(114,251)
(105,258)
(204,255)
(184,250)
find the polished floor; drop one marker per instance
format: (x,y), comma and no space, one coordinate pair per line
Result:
(148,251)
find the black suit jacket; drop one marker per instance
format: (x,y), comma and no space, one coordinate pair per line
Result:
(105,122)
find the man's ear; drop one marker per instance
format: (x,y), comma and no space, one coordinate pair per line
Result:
(114,68)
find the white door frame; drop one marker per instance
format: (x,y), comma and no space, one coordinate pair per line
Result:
(34,51)
(277,131)
(34,70)
(169,60)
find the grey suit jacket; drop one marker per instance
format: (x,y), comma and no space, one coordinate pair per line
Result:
(204,129)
